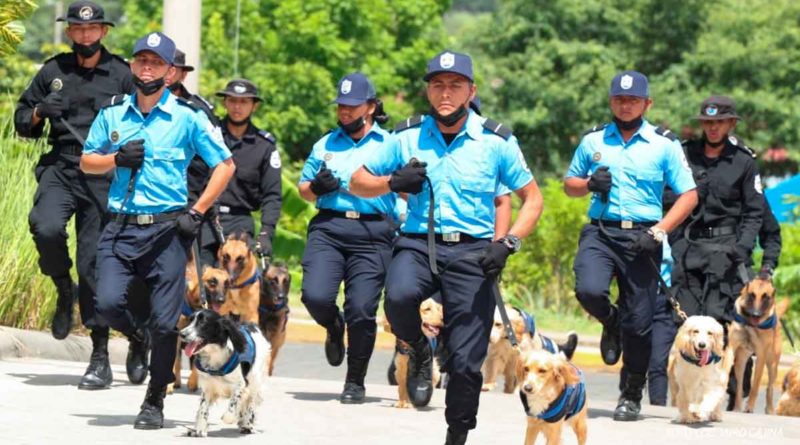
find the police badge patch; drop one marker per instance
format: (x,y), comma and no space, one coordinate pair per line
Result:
(626,82)
(757,185)
(597,156)
(86,13)
(239,89)
(56,85)
(328,157)
(521,158)
(347,85)
(447,60)
(275,160)
(115,136)
(215,133)
(153,40)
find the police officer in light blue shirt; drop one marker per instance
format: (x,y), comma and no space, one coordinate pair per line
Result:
(626,164)
(450,162)
(350,238)
(148,139)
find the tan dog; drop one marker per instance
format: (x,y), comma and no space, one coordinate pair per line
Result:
(216,284)
(273,310)
(545,379)
(244,293)
(789,403)
(757,330)
(432,316)
(698,370)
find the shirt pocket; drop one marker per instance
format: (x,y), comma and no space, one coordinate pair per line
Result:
(169,165)
(478,195)
(650,179)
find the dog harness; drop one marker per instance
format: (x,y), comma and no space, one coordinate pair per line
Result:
(693,360)
(530,326)
(569,403)
(244,358)
(186,309)
(249,281)
(769,323)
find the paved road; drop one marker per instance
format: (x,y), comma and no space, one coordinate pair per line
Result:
(39,404)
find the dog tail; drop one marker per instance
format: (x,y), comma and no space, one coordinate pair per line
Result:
(782,307)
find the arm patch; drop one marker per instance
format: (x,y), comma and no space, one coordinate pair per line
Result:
(661,131)
(595,129)
(740,145)
(409,123)
(497,128)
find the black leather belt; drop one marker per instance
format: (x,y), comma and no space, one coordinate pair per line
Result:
(144,219)
(445,238)
(69,149)
(712,232)
(238,211)
(352,214)
(625,225)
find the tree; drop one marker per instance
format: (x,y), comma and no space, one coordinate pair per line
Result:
(11,30)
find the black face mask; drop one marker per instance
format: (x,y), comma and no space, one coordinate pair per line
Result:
(86,51)
(238,123)
(175,87)
(714,144)
(628,125)
(148,88)
(452,118)
(355,126)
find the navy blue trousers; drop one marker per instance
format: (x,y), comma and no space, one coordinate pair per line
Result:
(157,255)
(358,253)
(468,314)
(600,259)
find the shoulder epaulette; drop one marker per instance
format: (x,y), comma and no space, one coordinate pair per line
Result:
(740,145)
(595,129)
(195,97)
(661,131)
(497,128)
(56,56)
(188,103)
(268,136)
(116,99)
(409,123)
(120,58)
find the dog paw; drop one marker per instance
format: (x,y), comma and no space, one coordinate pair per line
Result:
(171,388)
(229,418)
(246,430)
(715,417)
(748,410)
(402,404)
(191,432)
(487,386)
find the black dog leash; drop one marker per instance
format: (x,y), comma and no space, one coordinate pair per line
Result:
(199,268)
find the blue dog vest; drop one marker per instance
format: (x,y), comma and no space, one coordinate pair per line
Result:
(245,358)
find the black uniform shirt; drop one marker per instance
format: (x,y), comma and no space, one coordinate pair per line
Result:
(83,92)
(257,181)
(769,238)
(730,189)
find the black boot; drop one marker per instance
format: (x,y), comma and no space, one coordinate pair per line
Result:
(568,347)
(420,370)
(611,341)
(62,319)
(455,437)
(151,415)
(630,401)
(98,375)
(354,391)
(138,356)
(334,342)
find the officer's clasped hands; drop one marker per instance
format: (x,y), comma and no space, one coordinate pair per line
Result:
(647,243)
(600,181)
(493,258)
(410,178)
(325,182)
(130,155)
(52,106)
(189,224)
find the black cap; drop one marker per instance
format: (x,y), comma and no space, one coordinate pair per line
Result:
(240,88)
(180,61)
(83,12)
(717,108)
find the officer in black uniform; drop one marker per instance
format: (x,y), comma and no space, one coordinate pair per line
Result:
(769,238)
(69,90)
(257,182)
(722,231)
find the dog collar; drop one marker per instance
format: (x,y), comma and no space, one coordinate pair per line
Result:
(186,309)
(246,357)
(713,359)
(569,403)
(249,281)
(266,309)
(769,323)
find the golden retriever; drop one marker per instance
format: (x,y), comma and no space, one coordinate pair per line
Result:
(698,370)
(789,403)
(546,380)
(757,330)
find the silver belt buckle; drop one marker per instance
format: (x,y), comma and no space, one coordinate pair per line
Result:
(352,214)
(451,237)
(144,220)
(626,224)
(224,209)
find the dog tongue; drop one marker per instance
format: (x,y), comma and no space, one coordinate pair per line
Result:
(191,348)
(704,355)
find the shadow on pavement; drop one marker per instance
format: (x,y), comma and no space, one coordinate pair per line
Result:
(325,397)
(49,379)
(122,420)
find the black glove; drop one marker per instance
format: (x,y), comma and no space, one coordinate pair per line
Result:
(130,155)
(189,223)
(646,243)
(493,259)
(264,246)
(600,181)
(410,178)
(51,107)
(324,182)
(766,271)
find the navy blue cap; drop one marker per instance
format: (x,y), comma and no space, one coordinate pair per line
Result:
(629,83)
(450,62)
(158,43)
(83,12)
(354,89)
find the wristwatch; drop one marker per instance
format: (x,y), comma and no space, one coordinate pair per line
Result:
(512,242)
(658,233)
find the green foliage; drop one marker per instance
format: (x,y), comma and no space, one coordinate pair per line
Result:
(11,30)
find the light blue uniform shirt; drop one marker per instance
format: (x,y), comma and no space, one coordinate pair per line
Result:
(466,176)
(666,263)
(343,157)
(173,133)
(639,169)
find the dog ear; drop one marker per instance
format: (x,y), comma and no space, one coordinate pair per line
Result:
(520,371)
(234,334)
(569,372)
(719,343)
